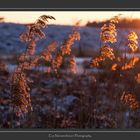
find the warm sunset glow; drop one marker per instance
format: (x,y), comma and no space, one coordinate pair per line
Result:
(60,75)
(65,17)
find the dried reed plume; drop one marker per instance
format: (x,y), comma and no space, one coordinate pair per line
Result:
(131,64)
(114,67)
(47,53)
(20,93)
(108,36)
(19,82)
(107,52)
(66,46)
(96,61)
(108,31)
(65,50)
(72,67)
(130,100)
(133,41)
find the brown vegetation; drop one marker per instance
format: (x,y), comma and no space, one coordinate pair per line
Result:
(59,97)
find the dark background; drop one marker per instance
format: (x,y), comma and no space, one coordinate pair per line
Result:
(82,4)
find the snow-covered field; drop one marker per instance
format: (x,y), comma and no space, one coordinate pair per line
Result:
(89,43)
(79,61)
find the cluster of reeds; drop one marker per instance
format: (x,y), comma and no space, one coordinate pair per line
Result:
(123,63)
(108,37)
(130,64)
(20,90)
(89,89)
(122,67)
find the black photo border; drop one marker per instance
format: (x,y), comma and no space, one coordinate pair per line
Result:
(70,5)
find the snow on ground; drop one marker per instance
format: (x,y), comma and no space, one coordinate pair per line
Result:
(10,42)
(79,62)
